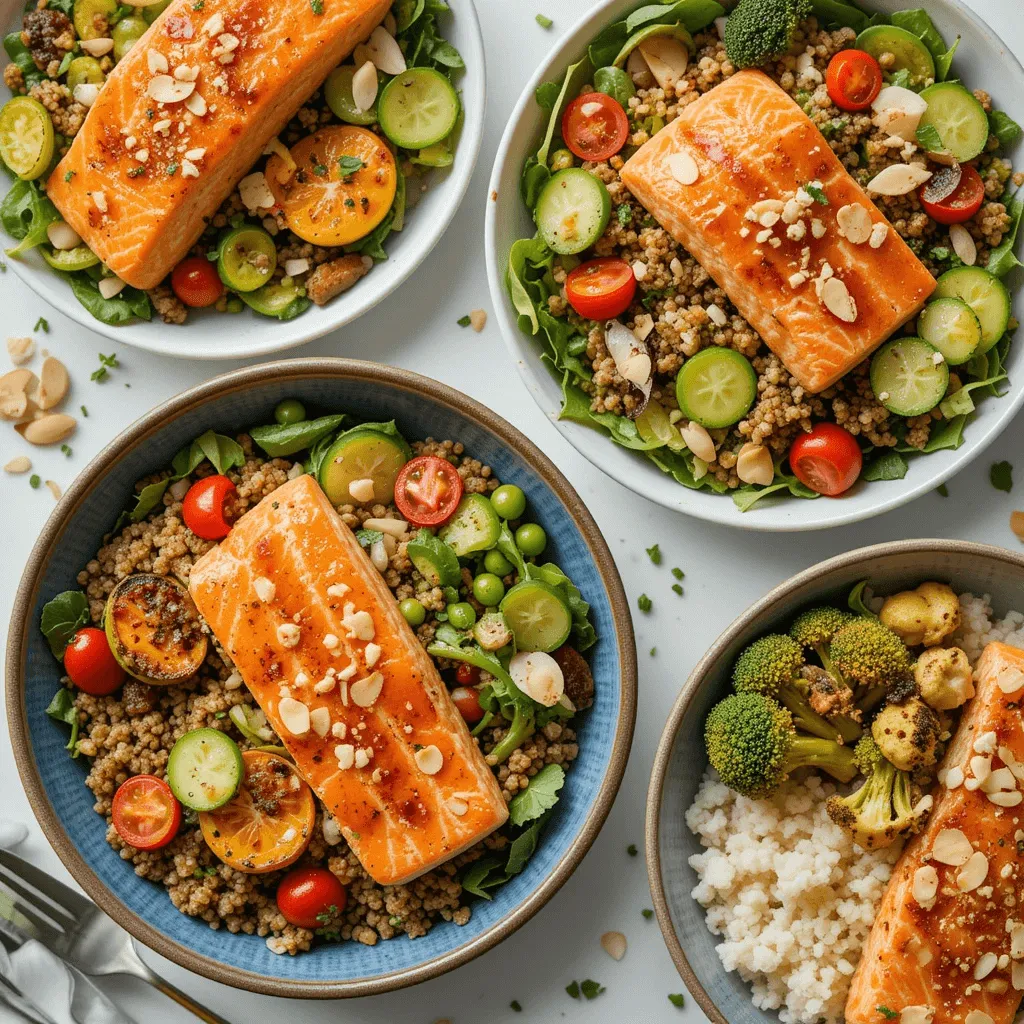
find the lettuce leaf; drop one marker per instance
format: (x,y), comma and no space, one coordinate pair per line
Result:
(1002,259)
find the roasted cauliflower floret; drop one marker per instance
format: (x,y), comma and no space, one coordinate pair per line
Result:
(944,677)
(926,615)
(907,734)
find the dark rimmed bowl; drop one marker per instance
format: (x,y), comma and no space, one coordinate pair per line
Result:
(680,761)
(54,782)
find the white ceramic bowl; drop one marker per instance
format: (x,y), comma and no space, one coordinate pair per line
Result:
(982,60)
(212,335)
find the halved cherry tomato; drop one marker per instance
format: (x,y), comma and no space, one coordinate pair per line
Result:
(145,813)
(428,490)
(854,79)
(962,204)
(601,289)
(827,459)
(466,674)
(203,507)
(307,897)
(468,703)
(90,663)
(196,282)
(594,126)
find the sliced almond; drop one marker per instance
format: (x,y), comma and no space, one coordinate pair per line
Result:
(898,111)
(1004,799)
(50,429)
(973,872)
(667,58)
(985,966)
(19,464)
(20,350)
(478,319)
(97,47)
(683,168)
(156,61)
(361,490)
(86,93)
(638,70)
(954,777)
(699,441)
(397,528)
(62,235)
(320,720)
(365,691)
(53,386)
(346,755)
(195,104)
(538,675)
(879,233)
(265,589)
(165,89)
(925,886)
(898,179)
(110,286)
(288,634)
(457,806)
(981,768)
(614,944)
(963,244)
(854,223)
(294,715)
(952,847)
(429,760)
(916,1015)
(1000,780)
(836,298)
(383,50)
(754,465)
(364,86)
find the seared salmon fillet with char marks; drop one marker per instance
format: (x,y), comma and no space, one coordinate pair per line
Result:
(961,957)
(315,633)
(751,143)
(127,185)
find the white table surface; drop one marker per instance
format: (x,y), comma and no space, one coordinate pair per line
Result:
(725,570)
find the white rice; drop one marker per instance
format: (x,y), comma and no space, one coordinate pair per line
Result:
(791,895)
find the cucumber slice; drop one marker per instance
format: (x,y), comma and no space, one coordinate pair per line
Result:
(716,387)
(958,117)
(985,294)
(418,108)
(538,617)
(906,378)
(951,326)
(363,455)
(70,260)
(474,527)
(247,259)
(338,93)
(910,52)
(91,18)
(84,71)
(277,299)
(26,137)
(572,211)
(434,560)
(205,769)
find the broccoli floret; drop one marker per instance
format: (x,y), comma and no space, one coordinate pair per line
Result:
(880,812)
(814,631)
(872,659)
(753,745)
(772,666)
(907,733)
(759,31)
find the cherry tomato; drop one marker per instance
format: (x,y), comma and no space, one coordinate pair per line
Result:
(428,490)
(962,204)
(304,895)
(196,282)
(468,703)
(466,674)
(854,79)
(827,459)
(594,126)
(90,663)
(203,507)
(601,289)
(146,815)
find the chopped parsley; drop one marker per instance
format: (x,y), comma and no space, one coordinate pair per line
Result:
(319,170)
(110,360)
(1001,476)
(348,165)
(85,412)
(317,6)
(624,213)
(208,872)
(544,21)
(654,553)
(463,321)
(172,169)
(515,1005)
(942,490)
(42,324)
(350,202)
(66,449)
(648,913)
(34,481)
(591,989)
(199,5)
(325,916)
(99,375)
(677,589)
(644,603)
(573,988)
(651,297)
(887,1013)
(816,193)
(221,714)
(68,175)
(631,849)
(134,172)
(676,999)
(106,362)
(678,573)
(654,651)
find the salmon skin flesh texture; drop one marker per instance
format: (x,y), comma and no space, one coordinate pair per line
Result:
(258,62)
(400,813)
(966,953)
(750,142)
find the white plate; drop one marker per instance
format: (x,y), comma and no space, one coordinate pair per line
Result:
(212,335)
(982,60)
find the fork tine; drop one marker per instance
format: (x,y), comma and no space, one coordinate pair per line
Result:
(57,914)
(44,930)
(73,903)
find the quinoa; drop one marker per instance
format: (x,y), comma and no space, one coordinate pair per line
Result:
(133,732)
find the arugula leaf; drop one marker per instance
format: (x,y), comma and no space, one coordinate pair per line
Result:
(148,498)
(62,709)
(528,260)
(539,796)
(223,452)
(951,435)
(960,403)
(128,304)
(745,498)
(281,439)
(623,431)
(26,213)
(483,874)
(692,14)
(348,165)
(524,846)
(842,14)
(62,617)
(855,602)
(373,244)
(928,137)
(591,989)
(889,465)
(1001,475)
(1004,128)
(1001,260)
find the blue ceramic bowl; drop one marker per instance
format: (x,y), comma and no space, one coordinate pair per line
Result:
(54,782)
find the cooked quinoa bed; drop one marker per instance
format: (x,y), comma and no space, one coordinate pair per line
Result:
(133,732)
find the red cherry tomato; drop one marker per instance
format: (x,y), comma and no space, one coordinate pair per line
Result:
(468,703)
(203,507)
(854,79)
(306,894)
(601,289)
(827,459)
(428,490)
(90,663)
(466,674)
(146,815)
(196,282)
(962,204)
(595,127)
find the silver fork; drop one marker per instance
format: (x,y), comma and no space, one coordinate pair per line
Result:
(79,932)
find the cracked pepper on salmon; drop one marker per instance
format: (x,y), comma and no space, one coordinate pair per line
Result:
(320,642)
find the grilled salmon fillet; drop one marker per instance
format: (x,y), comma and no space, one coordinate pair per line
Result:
(745,150)
(949,935)
(318,638)
(148,170)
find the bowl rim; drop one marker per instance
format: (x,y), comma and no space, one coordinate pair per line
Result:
(695,683)
(633,474)
(93,475)
(281,335)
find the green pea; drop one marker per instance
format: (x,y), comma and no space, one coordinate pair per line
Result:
(560,160)
(415,614)
(488,589)
(84,71)
(127,32)
(291,410)
(496,562)
(461,615)
(509,501)
(235,306)
(531,539)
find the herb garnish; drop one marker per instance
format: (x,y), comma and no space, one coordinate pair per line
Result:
(66,449)
(677,589)
(942,490)
(319,170)
(34,481)
(676,999)
(644,603)
(515,1005)
(136,171)
(816,193)
(591,989)
(42,324)
(68,175)
(654,553)
(105,362)
(648,913)
(631,849)
(544,21)
(317,6)
(463,321)
(624,213)
(887,1013)
(1001,476)
(85,412)
(348,165)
